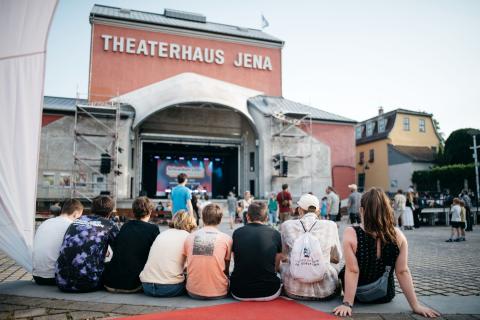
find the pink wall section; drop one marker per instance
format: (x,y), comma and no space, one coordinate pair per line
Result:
(341,139)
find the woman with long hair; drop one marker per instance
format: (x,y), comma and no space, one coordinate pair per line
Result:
(373,250)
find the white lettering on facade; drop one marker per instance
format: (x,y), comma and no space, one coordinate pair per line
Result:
(183,52)
(130,45)
(163,49)
(106,39)
(118,44)
(142,48)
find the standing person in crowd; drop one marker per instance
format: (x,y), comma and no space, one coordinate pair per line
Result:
(328,251)
(132,246)
(48,240)
(55,209)
(164,272)
(208,253)
(455,221)
(373,250)
(181,196)
(232,208)
(273,209)
(245,203)
(257,250)
(196,210)
(468,208)
(417,210)
(323,208)
(463,221)
(333,204)
(399,203)
(353,205)
(80,264)
(408,222)
(284,199)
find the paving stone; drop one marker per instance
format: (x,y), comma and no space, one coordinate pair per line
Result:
(11,307)
(131,310)
(155,309)
(98,307)
(53,317)
(6,315)
(365,316)
(399,316)
(28,313)
(81,315)
(459,317)
(25,301)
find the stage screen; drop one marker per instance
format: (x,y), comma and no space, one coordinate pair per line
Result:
(198,170)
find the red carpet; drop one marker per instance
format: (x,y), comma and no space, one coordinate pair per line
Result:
(279,309)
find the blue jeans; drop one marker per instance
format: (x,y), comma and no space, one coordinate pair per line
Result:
(273,217)
(164,290)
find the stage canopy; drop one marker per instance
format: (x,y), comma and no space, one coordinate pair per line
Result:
(187,88)
(24,27)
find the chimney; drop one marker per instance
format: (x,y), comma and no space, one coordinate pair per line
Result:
(380,110)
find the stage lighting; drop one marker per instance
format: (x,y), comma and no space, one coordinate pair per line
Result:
(206,159)
(181,158)
(169,158)
(157,157)
(194,159)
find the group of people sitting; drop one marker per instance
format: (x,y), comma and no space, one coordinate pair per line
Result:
(83,253)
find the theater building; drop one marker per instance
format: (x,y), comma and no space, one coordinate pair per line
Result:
(172,93)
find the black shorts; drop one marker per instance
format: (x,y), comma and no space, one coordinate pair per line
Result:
(455,224)
(462,225)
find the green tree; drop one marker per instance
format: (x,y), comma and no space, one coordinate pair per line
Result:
(457,147)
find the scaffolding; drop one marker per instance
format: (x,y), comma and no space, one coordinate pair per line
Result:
(95,136)
(292,136)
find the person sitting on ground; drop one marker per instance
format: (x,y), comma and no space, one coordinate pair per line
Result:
(257,252)
(48,240)
(163,274)
(373,251)
(132,246)
(208,254)
(455,221)
(80,265)
(324,248)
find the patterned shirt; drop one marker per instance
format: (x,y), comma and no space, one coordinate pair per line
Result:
(80,266)
(327,233)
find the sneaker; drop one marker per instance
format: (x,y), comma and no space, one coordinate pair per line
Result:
(457,240)
(449,240)
(463,239)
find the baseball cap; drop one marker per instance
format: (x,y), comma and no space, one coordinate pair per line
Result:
(308,200)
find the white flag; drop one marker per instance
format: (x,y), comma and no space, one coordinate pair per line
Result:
(264,22)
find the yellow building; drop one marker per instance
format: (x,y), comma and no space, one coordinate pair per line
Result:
(391,146)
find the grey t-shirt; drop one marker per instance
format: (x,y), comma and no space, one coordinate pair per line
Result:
(232,204)
(354,202)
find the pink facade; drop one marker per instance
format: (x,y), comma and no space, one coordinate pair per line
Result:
(341,140)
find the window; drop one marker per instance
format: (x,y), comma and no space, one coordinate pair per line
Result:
(252,161)
(382,124)
(421,125)
(358,132)
(370,126)
(406,124)
(371,157)
(361,158)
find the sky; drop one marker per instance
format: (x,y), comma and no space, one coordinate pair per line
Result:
(347,57)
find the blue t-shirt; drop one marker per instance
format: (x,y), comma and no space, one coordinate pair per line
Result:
(180,196)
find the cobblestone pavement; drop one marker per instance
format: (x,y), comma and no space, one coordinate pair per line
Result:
(12,307)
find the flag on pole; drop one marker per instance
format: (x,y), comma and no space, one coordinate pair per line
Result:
(264,22)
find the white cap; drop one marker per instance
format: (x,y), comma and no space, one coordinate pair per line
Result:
(308,200)
(352,186)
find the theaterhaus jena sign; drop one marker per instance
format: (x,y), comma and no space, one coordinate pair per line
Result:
(183,52)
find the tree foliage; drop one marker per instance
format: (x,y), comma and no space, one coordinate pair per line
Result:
(450,177)
(457,147)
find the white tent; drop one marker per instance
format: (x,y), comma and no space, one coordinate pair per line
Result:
(24,27)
